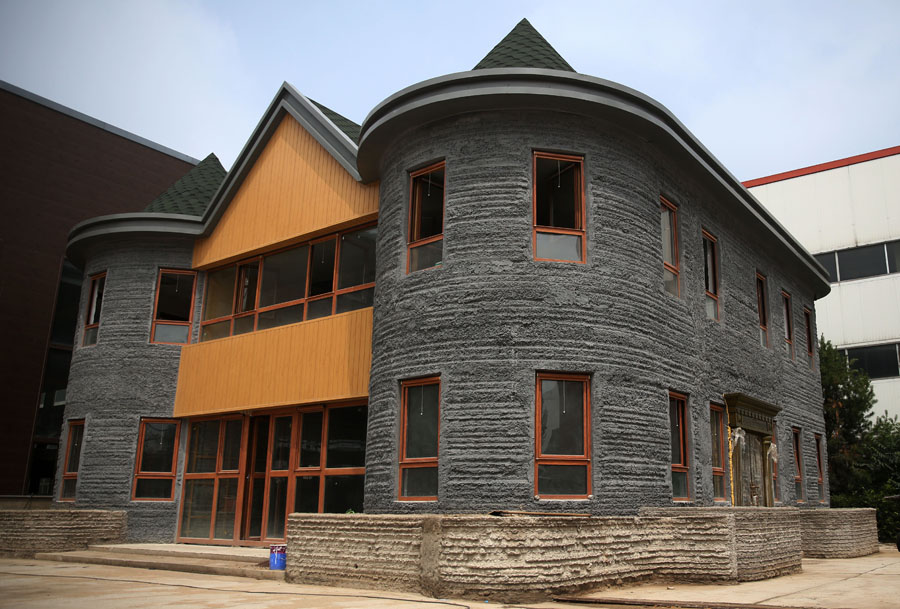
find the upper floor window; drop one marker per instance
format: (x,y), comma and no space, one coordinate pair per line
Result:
(717,441)
(860,262)
(174,307)
(788,324)
(334,274)
(154,472)
(559,212)
(798,464)
(419,439)
(562,457)
(711,275)
(762,308)
(73,459)
(95,303)
(426,218)
(877,361)
(810,341)
(678,422)
(668,215)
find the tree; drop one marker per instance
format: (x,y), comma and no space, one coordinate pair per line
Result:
(863,458)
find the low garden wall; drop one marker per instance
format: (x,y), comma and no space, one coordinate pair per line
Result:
(24,532)
(508,558)
(839,533)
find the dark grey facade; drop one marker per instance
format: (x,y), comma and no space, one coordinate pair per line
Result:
(491,317)
(124,378)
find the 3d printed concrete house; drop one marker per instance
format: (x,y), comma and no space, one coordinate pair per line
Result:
(513,288)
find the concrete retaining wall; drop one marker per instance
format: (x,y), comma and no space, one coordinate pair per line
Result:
(24,532)
(507,558)
(839,533)
(767,541)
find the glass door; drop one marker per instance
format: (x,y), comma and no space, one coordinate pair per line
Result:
(269,463)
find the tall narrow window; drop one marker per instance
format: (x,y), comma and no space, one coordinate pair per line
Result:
(95,303)
(717,441)
(821,468)
(679,437)
(154,472)
(668,215)
(426,218)
(419,439)
(762,308)
(711,275)
(810,345)
(788,324)
(559,232)
(73,458)
(798,464)
(174,308)
(562,455)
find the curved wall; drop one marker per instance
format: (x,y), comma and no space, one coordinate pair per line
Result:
(491,316)
(124,377)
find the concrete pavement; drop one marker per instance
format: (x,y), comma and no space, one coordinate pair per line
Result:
(871,582)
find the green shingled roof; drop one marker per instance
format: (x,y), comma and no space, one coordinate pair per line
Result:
(349,128)
(193,191)
(524,47)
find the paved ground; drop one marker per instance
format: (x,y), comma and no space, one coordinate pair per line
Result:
(871,582)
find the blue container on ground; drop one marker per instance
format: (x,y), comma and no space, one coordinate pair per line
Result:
(277,557)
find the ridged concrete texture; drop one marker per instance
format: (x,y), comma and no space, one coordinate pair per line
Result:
(24,532)
(123,378)
(843,533)
(490,317)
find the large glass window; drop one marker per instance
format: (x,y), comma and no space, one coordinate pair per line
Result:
(95,304)
(798,464)
(174,307)
(717,442)
(711,275)
(559,222)
(862,262)
(788,324)
(762,308)
(73,459)
(334,274)
(562,460)
(678,422)
(426,218)
(668,217)
(154,477)
(419,439)
(877,361)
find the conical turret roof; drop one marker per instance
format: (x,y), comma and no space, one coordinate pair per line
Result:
(524,47)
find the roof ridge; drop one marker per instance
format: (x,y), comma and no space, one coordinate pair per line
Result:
(192,193)
(344,124)
(524,47)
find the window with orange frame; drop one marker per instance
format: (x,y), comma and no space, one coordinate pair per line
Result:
(73,458)
(562,465)
(678,426)
(798,464)
(668,215)
(420,415)
(558,207)
(94,305)
(154,471)
(717,442)
(425,239)
(173,309)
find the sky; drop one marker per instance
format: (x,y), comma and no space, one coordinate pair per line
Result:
(766,86)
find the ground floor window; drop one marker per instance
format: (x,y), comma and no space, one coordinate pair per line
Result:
(679,440)
(419,439)
(73,458)
(820,467)
(798,464)
(562,465)
(717,441)
(245,474)
(154,472)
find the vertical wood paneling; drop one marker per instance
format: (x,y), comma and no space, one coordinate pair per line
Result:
(322,360)
(294,189)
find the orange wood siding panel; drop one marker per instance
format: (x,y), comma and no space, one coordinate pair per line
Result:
(294,190)
(322,360)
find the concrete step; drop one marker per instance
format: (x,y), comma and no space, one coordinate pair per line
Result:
(187,564)
(254,556)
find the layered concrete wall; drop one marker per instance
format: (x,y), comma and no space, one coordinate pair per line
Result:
(839,533)
(767,541)
(24,532)
(123,378)
(491,316)
(507,558)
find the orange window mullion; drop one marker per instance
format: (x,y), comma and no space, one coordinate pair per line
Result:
(323,459)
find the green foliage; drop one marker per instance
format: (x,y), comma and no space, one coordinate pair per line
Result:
(863,459)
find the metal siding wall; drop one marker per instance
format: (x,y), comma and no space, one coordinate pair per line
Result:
(861,312)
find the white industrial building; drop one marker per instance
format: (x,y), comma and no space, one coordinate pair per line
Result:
(847,213)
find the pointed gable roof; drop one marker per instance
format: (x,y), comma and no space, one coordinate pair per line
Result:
(193,191)
(524,47)
(343,123)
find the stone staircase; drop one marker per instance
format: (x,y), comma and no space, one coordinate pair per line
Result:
(209,560)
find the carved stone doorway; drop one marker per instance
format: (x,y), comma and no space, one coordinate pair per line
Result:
(753,421)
